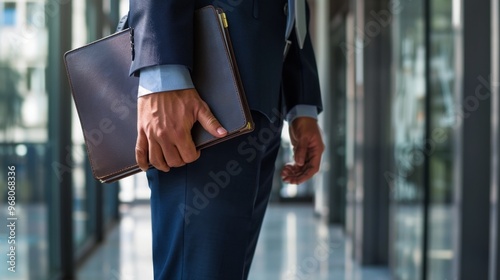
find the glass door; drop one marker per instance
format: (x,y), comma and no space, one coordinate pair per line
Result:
(495,100)
(406,178)
(337,126)
(440,149)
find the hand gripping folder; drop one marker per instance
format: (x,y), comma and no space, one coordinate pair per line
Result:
(106,96)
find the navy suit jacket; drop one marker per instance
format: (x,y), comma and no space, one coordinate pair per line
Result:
(163,34)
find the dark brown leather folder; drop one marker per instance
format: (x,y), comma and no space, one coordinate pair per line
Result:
(106,96)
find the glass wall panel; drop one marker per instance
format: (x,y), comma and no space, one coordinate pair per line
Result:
(443,118)
(337,126)
(495,186)
(82,203)
(24,139)
(408,126)
(88,194)
(25,143)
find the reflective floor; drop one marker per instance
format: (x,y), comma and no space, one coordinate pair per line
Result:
(294,245)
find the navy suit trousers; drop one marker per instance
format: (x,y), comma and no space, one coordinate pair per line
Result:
(207,215)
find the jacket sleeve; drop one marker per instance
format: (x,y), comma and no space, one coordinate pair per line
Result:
(300,76)
(162,33)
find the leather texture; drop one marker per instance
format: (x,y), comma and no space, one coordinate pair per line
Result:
(106,96)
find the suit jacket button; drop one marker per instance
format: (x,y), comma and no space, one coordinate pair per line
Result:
(132,43)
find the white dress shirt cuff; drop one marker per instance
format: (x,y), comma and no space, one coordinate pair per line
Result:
(162,78)
(302,111)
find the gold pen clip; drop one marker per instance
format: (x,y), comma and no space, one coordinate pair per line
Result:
(224,20)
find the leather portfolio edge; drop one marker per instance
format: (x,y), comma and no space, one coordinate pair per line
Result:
(246,127)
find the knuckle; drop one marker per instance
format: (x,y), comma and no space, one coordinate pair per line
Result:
(155,163)
(203,106)
(211,121)
(141,146)
(139,152)
(204,111)
(162,134)
(141,158)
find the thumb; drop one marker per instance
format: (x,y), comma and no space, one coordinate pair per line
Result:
(300,152)
(210,123)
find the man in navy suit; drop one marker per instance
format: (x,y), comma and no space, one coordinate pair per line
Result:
(207,208)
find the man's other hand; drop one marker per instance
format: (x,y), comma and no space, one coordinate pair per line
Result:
(307,148)
(164,122)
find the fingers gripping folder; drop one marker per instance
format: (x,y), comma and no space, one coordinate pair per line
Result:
(105,95)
